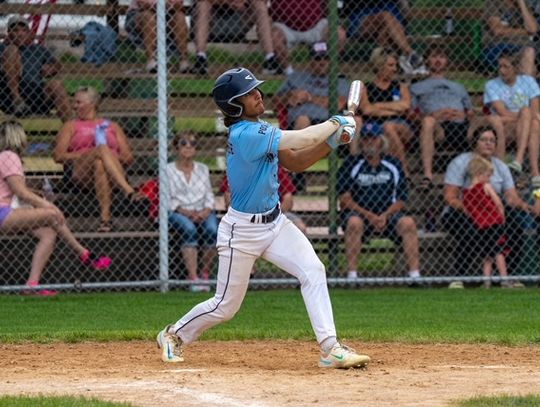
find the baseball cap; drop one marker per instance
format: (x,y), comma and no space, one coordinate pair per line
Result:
(319,50)
(371,130)
(17,20)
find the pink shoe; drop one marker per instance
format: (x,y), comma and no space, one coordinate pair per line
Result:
(98,263)
(38,293)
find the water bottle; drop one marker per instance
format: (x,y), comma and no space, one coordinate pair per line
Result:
(47,189)
(396,94)
(101,136)
(448,23)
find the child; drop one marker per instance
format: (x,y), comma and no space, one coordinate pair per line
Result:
(487,212)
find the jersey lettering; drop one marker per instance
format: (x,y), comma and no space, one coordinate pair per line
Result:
(263,128)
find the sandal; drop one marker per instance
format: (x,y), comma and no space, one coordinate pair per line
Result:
(104,227)
(135,197)
(426,184)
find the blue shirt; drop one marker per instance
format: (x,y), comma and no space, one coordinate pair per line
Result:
(373,188)
(252,166)
(514,97)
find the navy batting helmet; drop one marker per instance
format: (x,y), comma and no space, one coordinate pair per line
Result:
(231,85)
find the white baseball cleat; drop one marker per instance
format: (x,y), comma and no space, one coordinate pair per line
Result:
(170,345)
(343,357)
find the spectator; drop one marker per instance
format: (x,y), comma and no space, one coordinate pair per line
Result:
(386,101)
(230,21)
(486,210)
(286,197)
(514,103)
(141,25)
(457,221)
(298,22)
(23,210)
(372,195)
(510,24)
(444,109)
(382,21)
(94,152)
(305,94)
(191,208)
(24,66)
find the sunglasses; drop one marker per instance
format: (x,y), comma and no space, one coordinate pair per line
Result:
(185,143)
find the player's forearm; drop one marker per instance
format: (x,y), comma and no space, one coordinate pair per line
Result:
(310,136)
(299,160)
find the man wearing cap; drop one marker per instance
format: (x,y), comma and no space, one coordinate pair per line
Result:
(305,94)
(24,66)
(372,195)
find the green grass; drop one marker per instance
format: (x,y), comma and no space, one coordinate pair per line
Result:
(52,401)
(501,401)
(402,315)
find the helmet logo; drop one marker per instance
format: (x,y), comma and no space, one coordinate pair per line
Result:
(249,77)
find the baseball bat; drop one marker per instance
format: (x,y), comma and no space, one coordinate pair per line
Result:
(354,97)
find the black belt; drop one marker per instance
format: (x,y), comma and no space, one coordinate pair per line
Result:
(269,217)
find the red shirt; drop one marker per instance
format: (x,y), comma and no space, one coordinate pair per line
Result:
(481,207)
(300,15)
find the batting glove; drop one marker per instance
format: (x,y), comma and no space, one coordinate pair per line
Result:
(344,134)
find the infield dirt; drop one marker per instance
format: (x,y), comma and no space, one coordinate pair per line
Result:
(268,373)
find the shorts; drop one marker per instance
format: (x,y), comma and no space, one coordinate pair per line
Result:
(310,36)
(455,135)
(4,213)
(389,232)
(491,241)
(32,93)
(357,19)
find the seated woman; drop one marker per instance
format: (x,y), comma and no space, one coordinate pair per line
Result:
(386,101)
(22,210)
(94,152)
(514,101)
(191,208)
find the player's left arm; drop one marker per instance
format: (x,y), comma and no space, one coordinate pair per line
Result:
(299,160)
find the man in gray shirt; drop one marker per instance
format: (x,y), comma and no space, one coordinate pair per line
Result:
(305,94)
(24,66)
(444,107)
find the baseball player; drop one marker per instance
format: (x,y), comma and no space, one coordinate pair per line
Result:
(254,226)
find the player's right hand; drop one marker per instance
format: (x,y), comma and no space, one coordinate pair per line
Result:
(345,132)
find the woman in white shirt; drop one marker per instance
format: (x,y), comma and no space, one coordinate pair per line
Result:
(191,208)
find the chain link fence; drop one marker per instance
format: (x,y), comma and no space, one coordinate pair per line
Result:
(83,78)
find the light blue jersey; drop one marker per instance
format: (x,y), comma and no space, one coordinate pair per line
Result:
(252,166)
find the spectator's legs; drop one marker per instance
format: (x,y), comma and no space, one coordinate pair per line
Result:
(36,218)
(146,26)
(103,190)
(501,265)
(42,253)
(387,30)
(406,229)
(398,133)
(523,128)
(84,168)
(180,29)
(496,122)
(527,62)
(59,96)
(280,46)
(534,146)
(203,10)
(189,253)
(427,143)
(264,25)
(353,241)
(12,67)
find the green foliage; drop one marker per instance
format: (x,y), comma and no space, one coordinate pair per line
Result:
(403,315)
(54,401)
(501,401)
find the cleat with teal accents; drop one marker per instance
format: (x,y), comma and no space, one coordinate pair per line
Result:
(343,357)
(170,345)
